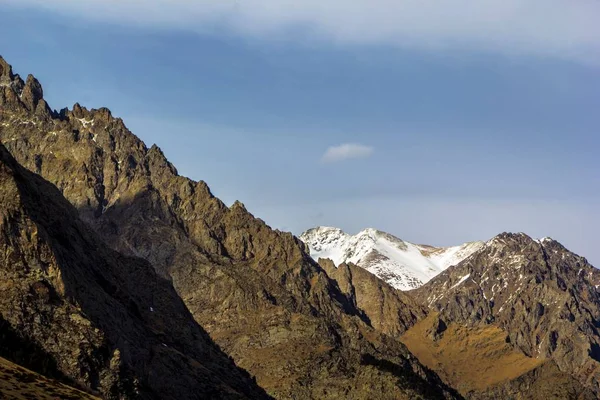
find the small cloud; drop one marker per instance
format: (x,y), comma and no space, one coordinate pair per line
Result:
(346,151)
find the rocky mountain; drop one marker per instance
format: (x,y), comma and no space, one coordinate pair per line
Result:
(74,310)
(256,291)
(403,265)
(544,298)
(388,310)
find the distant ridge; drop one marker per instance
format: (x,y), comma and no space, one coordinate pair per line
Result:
(402,264)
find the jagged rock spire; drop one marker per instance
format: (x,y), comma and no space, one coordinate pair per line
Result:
(6,73)
(21,96)
(33,93)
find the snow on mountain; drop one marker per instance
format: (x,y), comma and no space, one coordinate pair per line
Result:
(402,264)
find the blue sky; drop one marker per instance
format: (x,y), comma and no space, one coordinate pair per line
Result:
(460,124)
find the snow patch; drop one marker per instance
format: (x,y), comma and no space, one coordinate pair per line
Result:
(461,280)
(402,264)
(85,122)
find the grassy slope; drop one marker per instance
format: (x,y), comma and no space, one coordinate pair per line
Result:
(469,359)
(22,384)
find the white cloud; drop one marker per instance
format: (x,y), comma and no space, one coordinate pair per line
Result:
(566,29)
(346,151)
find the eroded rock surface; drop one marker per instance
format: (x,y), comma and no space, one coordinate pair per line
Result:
(75,310)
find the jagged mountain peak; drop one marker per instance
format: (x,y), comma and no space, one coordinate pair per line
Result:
(510,256)
(518,237)
(402,264)
(507,238)
(27,97)
(8,78)
(6,72)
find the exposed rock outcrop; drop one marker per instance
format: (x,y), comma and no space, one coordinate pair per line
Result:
(387,309)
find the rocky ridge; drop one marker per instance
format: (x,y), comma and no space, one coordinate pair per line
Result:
(388,310)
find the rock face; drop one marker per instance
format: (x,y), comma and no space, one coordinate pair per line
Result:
(403,265)
(71,308)
(255,290)
(543,296)
(388,310)
(21,97)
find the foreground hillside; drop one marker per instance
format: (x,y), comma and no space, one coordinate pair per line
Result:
(255,290)
(75,310)
(19,383)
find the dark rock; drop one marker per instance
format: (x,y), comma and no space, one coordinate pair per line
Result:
(437,329)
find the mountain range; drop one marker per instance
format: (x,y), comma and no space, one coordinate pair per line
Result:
(122,279)
(255,290)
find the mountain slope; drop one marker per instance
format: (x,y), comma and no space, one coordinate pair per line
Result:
(255,290)
(455,349)
(388,310)
(481,364)
(402,264)
(73,309)
(19,383)
(543,296)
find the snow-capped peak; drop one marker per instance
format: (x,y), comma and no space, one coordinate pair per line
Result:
(402,264)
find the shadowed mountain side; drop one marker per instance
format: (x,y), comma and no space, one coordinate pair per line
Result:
(254,289)
(109,322)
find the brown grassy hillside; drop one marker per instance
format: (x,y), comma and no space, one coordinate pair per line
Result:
(19,383)
(469,359)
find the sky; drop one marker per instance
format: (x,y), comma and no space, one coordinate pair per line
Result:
(438,122)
